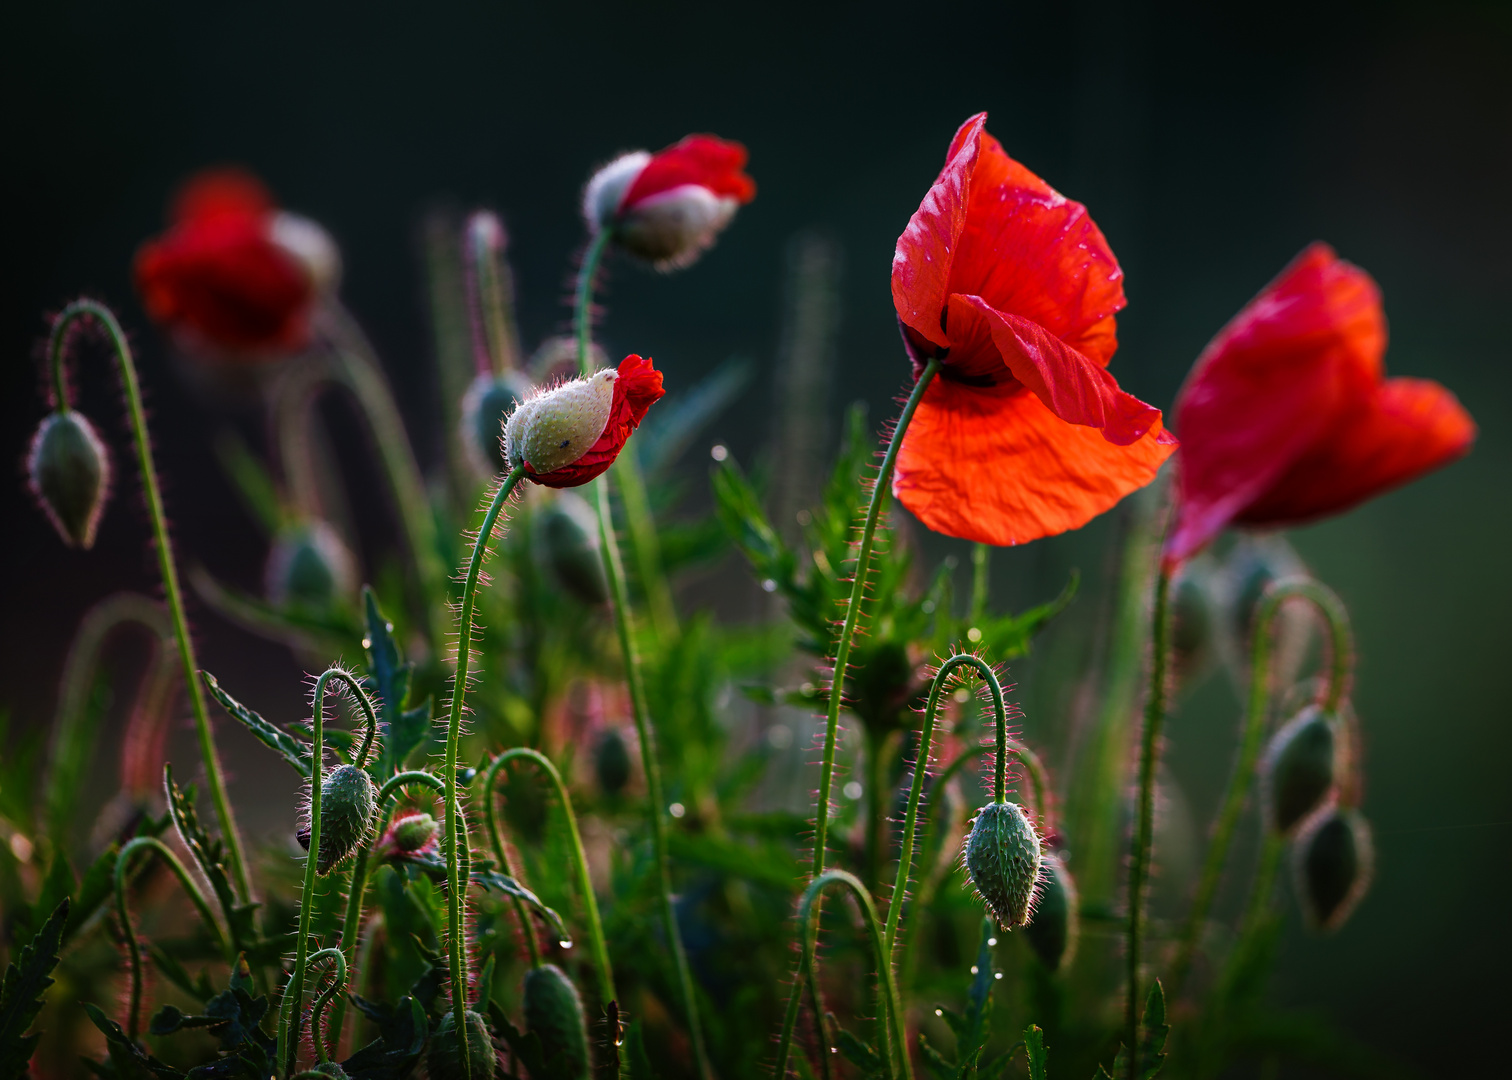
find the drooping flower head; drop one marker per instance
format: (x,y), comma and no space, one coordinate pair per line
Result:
(668,207)
(1013,289)
(1287,415)
(569,434)
(233,272)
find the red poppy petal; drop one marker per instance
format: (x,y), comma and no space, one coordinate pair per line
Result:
(1075,388)
(998,466)
(1411,427)
(922,258)
(704,160)
(220,192)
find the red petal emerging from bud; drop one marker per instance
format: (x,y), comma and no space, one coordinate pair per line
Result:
(701,160)
(638,387)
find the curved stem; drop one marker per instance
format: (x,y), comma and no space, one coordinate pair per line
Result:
(582,305)
(456,885)
(1144,827)
(133,951)
(1252,742)
(82,309)
(585,885)
(357,693)
(323,999)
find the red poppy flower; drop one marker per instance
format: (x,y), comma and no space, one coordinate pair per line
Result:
(668,207)
(233,271)
(1014,289)
(1287,415)
(557,419)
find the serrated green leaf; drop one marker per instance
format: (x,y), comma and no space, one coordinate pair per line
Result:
(27,978)
(126,1058)
(860,1054)
(403,729)
(286,746)
(210,854)
(1034,1051)
(401,1038)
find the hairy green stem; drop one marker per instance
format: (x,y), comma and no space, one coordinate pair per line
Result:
(980,554)
(90,309)
(323,999)
(585,885)
(1252,741)
(582,304)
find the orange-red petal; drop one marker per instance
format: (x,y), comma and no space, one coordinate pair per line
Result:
(998,466)
(704,160)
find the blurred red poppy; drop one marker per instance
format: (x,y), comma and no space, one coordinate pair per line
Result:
(233,271)
(1287,415)
(638,387)
(1013,289)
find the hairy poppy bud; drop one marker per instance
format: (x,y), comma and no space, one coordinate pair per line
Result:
(407,835)
(567,541)
(348,803)
(1332,861)
(443,1061)
(554,1013)
(611,762)
(1052,930)
(486,405)
(69,474)
(330,1068)
(1002,857)
(1299,769)
(309,567)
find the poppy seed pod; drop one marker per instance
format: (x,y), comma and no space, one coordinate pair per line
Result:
(1002,858)
(69,473)
(310,567)
(442,1060)
(485,407)
(554,1014)
(554,428)
(611,762)
(1332,861)
(348,804)
(1299,769)
(567,542)
(1052,931)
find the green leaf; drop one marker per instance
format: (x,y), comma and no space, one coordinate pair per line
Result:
(127,1060)
(1034,1050)
(942,1069)
(292,750)
(1152,1038)
(27,978)
(401,1038)
(403,730)
(861,1054)
(483,874)
(211,856)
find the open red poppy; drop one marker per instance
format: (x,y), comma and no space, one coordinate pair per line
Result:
(1287,415)
(638,387)
(1013,289)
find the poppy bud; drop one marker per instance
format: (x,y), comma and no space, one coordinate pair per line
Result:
(407,835)
(444,1062)
(307,243)
(330,1068)
(1052,930)
(486,405)
(69,474)
(1332,861)
(309,567)
(348,803)
(554,1014)
(567,541)
(611,762)
(1299,769)
(1002,857)
(1191,623)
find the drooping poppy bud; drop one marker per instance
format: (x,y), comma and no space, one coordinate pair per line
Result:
(1332,861)
(348,804)
(570,434)
(567,542)
(486,405)
(1299,769)
(69,473)
(309,567)
(1052,931)
(1002,858)
(443,1060)
(667,208)
(554,1013)
(611,762)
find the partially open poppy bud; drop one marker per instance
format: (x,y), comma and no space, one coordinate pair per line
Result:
(309,567)
(667,208)
(611,762)
(1053,929)
(567,541)
(554,1013)
(69,473)
(570,434)
(348,804)
(408,834)
(1002,857)
(486,405)
(443,1060)
(1299,769)
(1332,861)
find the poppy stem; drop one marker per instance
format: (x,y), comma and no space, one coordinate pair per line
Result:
(582,310)
(980,554)
(90,309)
(1144,827)
(1252,742)
(455,881)
(490,298)
(323,998)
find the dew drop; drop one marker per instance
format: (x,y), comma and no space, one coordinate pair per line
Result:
(939,1012)
(973,969)
(997,974)
(991,942)
(565,943)
(367,643)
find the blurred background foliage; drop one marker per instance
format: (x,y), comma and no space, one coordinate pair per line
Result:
(1210,142)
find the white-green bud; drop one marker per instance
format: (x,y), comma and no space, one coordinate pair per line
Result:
(553,428)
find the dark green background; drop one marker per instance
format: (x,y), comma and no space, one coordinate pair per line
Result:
(1210,143)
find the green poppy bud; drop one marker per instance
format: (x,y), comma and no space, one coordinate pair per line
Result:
(1052,930)
(1191,623)
(348,804)
(1332,861)
(611,762)
(407,835)
(554,1013)
(486,405)
(567,542)
(330,1068)
(309,567)
(443,1061)
(69,473)
(1002,857)
(1299,769)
